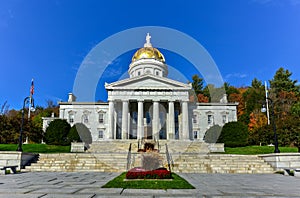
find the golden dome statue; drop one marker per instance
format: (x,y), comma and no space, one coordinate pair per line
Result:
(148,52)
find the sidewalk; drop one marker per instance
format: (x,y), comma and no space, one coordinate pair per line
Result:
(64,185)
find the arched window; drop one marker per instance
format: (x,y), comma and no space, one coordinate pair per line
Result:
(85,118)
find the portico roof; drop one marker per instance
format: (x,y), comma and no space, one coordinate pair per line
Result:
(148,82)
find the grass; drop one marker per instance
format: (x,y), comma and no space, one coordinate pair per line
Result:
(255,150)
(45,148)
(36,148)
(176,183)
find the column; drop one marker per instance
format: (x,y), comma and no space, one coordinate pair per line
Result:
(171,121)
(140,120)
(185,120)
(155,120)
(111,122)
(124,119)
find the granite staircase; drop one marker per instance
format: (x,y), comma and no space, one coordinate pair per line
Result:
(219,163)
(188,157)
(80,162)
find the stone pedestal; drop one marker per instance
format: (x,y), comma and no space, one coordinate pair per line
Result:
(77,147)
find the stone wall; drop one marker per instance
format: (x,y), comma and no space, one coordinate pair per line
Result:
(281,161)
(10,158)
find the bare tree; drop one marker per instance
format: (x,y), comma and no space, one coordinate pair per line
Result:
(4,108)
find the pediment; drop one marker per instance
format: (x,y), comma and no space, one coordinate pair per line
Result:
(147,82)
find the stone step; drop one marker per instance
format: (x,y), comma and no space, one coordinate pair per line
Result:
(183,162)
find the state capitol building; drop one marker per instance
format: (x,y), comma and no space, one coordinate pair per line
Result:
(147,105)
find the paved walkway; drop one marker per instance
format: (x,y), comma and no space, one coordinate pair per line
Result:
(64,185)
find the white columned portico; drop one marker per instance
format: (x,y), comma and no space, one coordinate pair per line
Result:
(155,121)
(124,119)
(140,120)
(185,120)
(111,122)
(171,121)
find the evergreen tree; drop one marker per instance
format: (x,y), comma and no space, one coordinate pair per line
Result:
(197,84)
(282,82)
(57,132)
(73,135)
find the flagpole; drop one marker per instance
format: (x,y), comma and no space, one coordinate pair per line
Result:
(267,102)
(30,98)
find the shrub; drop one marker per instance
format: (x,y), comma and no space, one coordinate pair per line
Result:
(73,135)
(139,173)
(234,134)
(57,131)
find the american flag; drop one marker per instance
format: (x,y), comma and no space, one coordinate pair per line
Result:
(32,88)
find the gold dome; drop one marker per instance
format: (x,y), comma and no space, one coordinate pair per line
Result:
(148,52)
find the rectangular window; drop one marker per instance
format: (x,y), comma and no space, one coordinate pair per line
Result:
(210,119)
(224,119)
(101,118)
(176,116)
(100,136)
(195,134)
(71,118)
(148,117)
(135,115)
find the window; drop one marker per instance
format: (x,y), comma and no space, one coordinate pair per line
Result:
(195,119)
(157,73)
(139,73)
(101,118)
(195,134)
(71,118)
(162,117)
(176,116)
(224,119)
(210,119)
(148,117)
(134,120)
(85,118)
(100,135)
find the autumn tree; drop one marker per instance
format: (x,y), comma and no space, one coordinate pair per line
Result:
(254,96)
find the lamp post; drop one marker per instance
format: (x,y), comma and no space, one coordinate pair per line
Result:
(263,109)
(30,100)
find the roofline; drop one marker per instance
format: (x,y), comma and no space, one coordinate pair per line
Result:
(217,104)
(83,103)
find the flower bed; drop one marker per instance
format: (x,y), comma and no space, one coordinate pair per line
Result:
(139,173)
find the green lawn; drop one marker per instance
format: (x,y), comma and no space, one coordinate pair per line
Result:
(176,183)
(255,150)
(44,148)
(36,148)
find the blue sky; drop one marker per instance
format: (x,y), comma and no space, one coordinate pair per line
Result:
(48,40)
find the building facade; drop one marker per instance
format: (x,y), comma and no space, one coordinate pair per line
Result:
(147,105)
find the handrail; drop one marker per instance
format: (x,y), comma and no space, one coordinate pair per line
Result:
(129,157)
(169,158)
